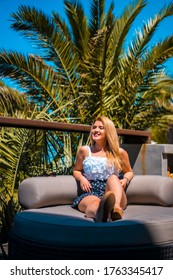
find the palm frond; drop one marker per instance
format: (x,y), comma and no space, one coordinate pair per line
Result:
(121,29)
(34,25)
(144,35)
(42,84)
(160,53)
(45,33)
(11,101)
(78,22)
(11,149)
(97,18)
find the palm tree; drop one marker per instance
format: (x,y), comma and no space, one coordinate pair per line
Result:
(83,68)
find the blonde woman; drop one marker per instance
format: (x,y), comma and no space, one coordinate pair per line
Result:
(97,169)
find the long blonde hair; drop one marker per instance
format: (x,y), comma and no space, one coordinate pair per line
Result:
(112,142)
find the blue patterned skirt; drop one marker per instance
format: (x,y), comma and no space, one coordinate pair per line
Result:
(97,189)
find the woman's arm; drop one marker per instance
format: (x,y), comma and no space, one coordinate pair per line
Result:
(126,168)
(78,169)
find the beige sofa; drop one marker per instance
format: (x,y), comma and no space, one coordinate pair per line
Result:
(49,228)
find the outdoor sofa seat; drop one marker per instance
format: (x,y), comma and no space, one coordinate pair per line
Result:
(49,228)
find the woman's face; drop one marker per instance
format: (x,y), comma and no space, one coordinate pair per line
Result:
(98,131)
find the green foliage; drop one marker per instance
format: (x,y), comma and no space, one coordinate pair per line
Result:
(8,207)
(11,101)
(159,135)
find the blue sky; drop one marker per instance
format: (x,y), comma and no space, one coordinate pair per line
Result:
(12,40)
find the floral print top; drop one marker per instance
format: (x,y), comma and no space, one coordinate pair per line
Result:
(96,168)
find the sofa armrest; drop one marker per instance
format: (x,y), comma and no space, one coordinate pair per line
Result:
(36,192)
(150,189)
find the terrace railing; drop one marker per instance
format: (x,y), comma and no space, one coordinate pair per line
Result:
(129,136)
(50,147)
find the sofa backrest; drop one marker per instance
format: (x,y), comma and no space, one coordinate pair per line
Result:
(150,189)
(36,192)
(39,192)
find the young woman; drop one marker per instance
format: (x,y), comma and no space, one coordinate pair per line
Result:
(97,169)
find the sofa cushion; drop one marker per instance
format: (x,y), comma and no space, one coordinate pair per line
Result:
(64,226)
(36,192)
(150,189)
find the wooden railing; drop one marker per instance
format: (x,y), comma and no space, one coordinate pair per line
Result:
(129,136)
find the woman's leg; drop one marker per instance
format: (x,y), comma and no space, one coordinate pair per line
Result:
(99,210)
(89,206)
(113,184)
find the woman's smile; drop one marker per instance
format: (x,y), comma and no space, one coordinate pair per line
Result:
(98,130)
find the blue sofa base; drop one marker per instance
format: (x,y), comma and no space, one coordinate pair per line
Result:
(27,250)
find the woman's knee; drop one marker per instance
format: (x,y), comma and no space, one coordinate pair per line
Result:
(113,184)
(112,177)
(113,180)
(88,202)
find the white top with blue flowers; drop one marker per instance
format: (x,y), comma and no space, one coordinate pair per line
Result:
(96,168)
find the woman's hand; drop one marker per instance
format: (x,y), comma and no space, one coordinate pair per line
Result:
(85,184)
(126,169)
(123,183)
